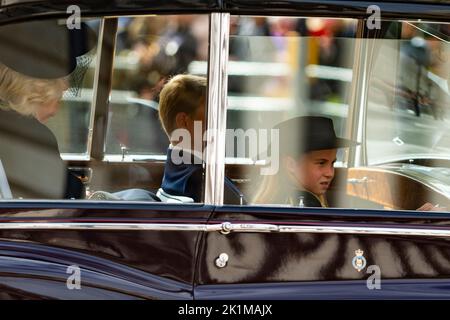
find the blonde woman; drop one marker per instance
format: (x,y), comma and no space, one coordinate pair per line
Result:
(36,60)
(39,98)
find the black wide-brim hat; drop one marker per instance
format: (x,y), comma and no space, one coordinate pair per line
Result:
(44,49)
(309,133)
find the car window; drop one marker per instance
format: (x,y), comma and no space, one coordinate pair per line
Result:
(56,162)
(46,101)
(371,137)
(408,112)
(280,68)
(149,50)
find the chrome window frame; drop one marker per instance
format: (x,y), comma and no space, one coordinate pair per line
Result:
(357,117)
(216,108)
(102,89)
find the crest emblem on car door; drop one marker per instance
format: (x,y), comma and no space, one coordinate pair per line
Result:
(359,262)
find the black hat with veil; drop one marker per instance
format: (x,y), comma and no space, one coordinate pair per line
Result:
(48,49)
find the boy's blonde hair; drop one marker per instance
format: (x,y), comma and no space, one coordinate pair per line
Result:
(182,93)
(25,94)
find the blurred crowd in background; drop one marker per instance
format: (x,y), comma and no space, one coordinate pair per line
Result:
(165,45)
(283,66)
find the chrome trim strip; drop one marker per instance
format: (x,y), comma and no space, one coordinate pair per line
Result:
(93,97)
(217,108)
(260,228)
(224,228)
(108,226)
(366,230)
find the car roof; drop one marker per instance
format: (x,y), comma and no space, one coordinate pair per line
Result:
(11,10)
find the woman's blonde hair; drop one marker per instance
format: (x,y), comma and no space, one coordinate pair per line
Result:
(25,94)
(182,93)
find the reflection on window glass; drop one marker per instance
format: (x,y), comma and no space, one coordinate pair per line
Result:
(408,117)
(409,94)
(149,50)
(288,74)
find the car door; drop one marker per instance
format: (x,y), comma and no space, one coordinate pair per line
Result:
(299,253)
(61,250)
(371,239)
(118,241)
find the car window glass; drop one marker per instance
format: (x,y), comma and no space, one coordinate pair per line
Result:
(409,94)
(149,50)
(292,75)
(45,100)
(408,116)
(281,68)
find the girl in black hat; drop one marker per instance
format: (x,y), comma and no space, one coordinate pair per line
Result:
(307,153)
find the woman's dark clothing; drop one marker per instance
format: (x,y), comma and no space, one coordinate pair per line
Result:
(30,157)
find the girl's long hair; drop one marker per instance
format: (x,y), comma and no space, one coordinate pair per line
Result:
(272,187)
